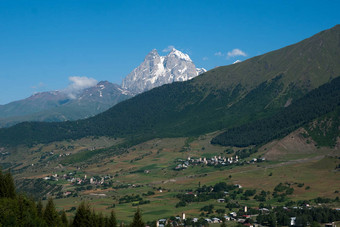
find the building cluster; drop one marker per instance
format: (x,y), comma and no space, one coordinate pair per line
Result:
(78,180)
(216,160)
(3,153)
(180,220)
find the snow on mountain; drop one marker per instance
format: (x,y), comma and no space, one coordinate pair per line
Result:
(200,71)
(157,70)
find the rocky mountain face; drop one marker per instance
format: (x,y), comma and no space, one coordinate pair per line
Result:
(157,70)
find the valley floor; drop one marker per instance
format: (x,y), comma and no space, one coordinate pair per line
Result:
(146,176)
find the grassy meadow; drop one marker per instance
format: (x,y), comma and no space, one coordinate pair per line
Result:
(149,167)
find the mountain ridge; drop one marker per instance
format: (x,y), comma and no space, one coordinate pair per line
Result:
(59,106)
(216,100)
(306,51)
(56,106)
(157,70)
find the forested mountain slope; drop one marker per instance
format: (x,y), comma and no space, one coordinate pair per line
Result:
(318,102)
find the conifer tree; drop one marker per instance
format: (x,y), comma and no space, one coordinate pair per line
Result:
(100,220)
(10,187)
(137,220)
(7,187)
(51,216)
(112,222)
(94,220)
(64,218)
(40,208)
(83,216)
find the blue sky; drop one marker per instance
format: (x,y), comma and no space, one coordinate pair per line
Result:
(44,42)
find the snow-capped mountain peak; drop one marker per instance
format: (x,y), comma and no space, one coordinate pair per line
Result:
(151,55)
(157,70)
(176,53)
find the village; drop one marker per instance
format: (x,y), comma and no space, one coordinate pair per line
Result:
(244,217)
(78,181)
(213,161)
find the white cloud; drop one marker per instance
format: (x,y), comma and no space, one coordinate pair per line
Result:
(237,61)
(205,58)
(78,83)
(219,54)
(236,52)
(169,48)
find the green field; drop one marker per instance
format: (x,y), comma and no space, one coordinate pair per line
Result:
(149,167)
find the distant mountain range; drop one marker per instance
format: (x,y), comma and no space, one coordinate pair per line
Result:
(57,106)
(238,98)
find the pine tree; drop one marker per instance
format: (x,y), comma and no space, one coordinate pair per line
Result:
(9,184)
(83,216)
(112,222)
(64,218)
(51,216)
(137,220)
(100,220)
(7,187)
(94,220)
(40,208)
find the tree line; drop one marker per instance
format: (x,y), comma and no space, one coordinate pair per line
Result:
(20,210)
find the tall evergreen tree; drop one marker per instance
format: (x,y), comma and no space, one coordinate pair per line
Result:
(83,216)
(51,216)
(7,187)
(64,219)
(94,218)
(40,208)
(10,187)
(137,220)
(112,222)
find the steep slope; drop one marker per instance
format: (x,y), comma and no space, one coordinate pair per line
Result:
(318,102)
(157,70)
(222,98)
(58,106)
(302,66)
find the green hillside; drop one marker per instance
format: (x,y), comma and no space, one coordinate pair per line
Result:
(318,102)
(222,98)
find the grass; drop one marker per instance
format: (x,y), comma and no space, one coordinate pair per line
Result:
(310,167)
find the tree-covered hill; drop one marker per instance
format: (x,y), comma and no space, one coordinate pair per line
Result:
(317,103)
(223,98)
